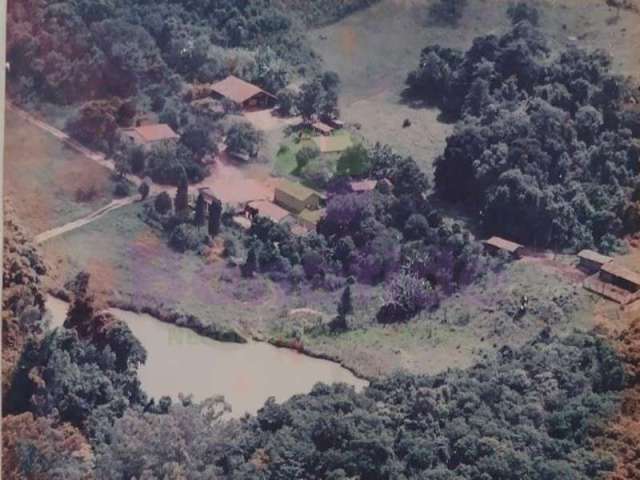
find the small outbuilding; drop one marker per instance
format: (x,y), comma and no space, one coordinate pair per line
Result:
(245,94)
(591,262)
(498,244)
(322,128)
(295,197)
(621,277)
(269,210)
(366,185)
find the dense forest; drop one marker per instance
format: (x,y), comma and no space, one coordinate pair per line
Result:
(544,150)
(75,409)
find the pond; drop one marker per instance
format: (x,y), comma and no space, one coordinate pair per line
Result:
(181,361)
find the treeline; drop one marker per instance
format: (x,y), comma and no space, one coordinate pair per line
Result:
(530,413)
(316,13)
(79,50)
(545,151)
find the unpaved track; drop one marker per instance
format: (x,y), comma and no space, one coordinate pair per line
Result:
(67,227)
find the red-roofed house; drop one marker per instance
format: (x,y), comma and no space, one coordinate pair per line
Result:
(243,93)
(149,135)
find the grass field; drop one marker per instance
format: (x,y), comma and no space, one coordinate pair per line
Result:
(374,49)
(42,177)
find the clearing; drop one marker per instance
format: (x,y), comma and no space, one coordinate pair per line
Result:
(48,183)
(374,49)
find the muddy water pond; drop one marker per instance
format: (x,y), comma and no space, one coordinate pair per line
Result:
(181,361)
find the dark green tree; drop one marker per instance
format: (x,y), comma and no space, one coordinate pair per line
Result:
(162,203)
(143,190)
(181,201)
(345,306)
(215,217)
(200,214)
(252,264)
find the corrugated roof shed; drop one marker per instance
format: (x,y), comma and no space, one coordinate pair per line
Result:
(594,256)
(236,89)
(622,272)
(503,244)
(296,190)
(322,127)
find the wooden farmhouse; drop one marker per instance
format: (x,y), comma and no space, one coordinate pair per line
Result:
(245,94)
(147,136)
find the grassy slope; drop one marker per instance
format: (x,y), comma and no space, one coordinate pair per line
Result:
(41,176)
(373,50)
(129,261)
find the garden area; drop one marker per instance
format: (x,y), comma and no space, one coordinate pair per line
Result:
(312,158)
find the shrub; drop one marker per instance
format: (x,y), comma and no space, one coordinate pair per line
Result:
(163,203)
(447,12)
(186,237)
(317,172)
(86,194)
(121,189)
(305,155)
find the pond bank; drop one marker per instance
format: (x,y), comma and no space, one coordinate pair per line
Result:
(246,374)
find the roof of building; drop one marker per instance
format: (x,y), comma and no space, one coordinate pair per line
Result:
(311,216)
(594,256)
(322,127)
(153,133)
(334,143)
(503,244)
(296,190)
(363,185)
(236,89)
(269,210)
(624,273)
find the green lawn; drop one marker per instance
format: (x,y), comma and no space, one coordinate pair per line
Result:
(285,162)
(43,178)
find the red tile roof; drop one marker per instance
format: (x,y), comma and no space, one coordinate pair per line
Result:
(363,185)
(154,133)
(236,89)
(269,210)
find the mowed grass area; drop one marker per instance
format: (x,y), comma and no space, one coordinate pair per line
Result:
(285,160)
(374,49)
(42,177)
(131,262)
